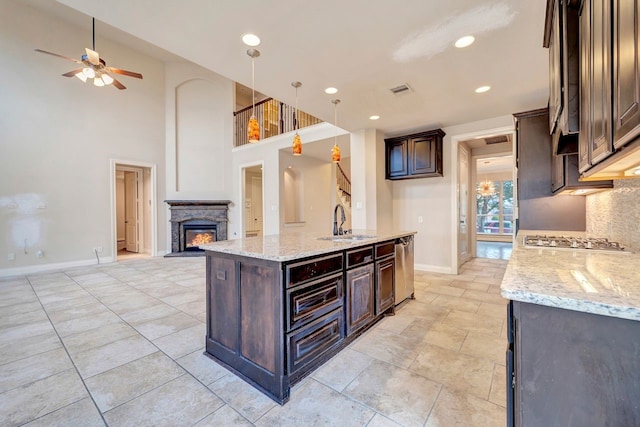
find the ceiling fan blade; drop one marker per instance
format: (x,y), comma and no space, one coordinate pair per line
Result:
(92,56)
(124,72)
(59,56)
(72,72)
(117,84)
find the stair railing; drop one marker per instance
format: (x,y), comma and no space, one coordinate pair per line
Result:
(343,183)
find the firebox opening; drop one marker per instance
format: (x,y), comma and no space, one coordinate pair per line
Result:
(194,237)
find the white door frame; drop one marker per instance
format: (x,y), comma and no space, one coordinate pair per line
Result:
(241,168)
(455,141)
(113,164)
(140,223)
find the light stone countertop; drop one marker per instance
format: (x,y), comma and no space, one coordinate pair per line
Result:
(295,245)
(593,282)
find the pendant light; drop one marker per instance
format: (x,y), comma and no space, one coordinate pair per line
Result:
(335,151)
(253,127)
(296,146)
(486,188)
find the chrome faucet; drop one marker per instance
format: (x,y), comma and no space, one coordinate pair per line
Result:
(337,231)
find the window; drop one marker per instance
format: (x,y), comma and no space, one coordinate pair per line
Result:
(494,207)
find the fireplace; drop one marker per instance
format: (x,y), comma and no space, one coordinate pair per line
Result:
(196,235)
(196,222)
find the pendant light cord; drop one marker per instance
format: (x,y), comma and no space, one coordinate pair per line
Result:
(295,112)
(253,86)
(93,24)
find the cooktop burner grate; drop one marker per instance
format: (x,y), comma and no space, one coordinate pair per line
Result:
(572,242)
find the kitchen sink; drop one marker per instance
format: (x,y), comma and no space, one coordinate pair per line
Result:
(347,237)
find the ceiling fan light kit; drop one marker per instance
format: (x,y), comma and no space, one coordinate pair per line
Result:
(94,67)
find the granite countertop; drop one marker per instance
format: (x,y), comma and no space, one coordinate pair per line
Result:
(593,282)
(294,245)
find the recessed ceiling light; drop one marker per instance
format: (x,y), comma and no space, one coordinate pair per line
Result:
(250,39)
(483,89)
(374,117)
(464,41)
(331,90)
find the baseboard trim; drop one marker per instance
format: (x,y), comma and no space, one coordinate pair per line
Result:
(433,268)
(30,269)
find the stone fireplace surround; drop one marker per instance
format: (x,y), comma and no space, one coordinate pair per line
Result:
(201,212)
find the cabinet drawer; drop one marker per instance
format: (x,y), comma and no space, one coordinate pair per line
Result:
(384,249)
(303,271)
(308,302)
(313,340)
(359,256)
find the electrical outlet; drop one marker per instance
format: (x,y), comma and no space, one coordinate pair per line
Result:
(11,256)
(420,219)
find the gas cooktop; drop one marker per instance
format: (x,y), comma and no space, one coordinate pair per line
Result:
(573,243)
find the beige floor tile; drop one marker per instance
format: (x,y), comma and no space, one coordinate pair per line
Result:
(166,325)
(402,396)
(97,337)
(21,348)
(437,334)
(119,385)
(476,286)
(456,371)
(241,396)
(489,280)
(183,298)
(32,401)
(338,372)
(81,413)
(165,289)
(315,404)
(382,421)
(484,297)
(149,313)
(85,310)
(205,369)
(424,310)
(66,295)
(22,319)
(498,311)
(455,303)
(389,347)
(395,323)
(485,346)
(454,408)
(445,290)
(86,323)
(121,304)
(193,308)
(33,368)
(101,359)
(474,322)
(180,402)
(20,308)
(182,342)
(225,416)
(70,303)
(12,333)
(498,393)
(422,295)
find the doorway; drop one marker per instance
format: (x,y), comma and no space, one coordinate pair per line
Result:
(252,200)
(133,209)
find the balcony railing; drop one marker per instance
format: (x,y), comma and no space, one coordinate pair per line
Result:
(275,118)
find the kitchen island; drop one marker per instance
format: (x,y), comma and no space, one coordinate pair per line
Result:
(574,336)
(280,306)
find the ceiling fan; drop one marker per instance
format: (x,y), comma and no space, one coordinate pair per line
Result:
(94,67)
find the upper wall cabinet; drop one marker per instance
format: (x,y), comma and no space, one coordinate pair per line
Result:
(414,156)
(561,37)
(609,146)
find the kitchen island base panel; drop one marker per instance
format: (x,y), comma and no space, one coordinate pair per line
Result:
(574,368)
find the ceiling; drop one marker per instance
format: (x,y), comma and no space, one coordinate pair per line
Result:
(361,47)
(496,164)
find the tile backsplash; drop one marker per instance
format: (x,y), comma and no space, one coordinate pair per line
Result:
(615,213)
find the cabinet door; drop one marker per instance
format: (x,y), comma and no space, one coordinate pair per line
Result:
(397,154)
(385,281)
(626,71)
(557,172)
(601,133)
(359,298)
(584,138)
(555,67)
(422,157)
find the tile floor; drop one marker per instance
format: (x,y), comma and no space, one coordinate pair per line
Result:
(494,250)
(121,345)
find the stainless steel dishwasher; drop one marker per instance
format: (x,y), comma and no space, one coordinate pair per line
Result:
(404,268)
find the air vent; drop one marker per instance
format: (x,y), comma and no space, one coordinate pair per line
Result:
(496,139)
(400,90)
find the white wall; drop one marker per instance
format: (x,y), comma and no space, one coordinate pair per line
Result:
(57,136)
(435,200)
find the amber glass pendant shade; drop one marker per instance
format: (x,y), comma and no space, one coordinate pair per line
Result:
(253,130)
(296,146)
(335,154)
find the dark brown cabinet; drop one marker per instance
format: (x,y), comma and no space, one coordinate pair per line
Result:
(586,373)
(360,302)
(385,272)
(414,156)
(626,72)
(565,177)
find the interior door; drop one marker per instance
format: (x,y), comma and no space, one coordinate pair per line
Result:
(256,203)
(463,204)
(131,211)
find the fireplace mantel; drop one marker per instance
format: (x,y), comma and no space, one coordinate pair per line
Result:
(202,212)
